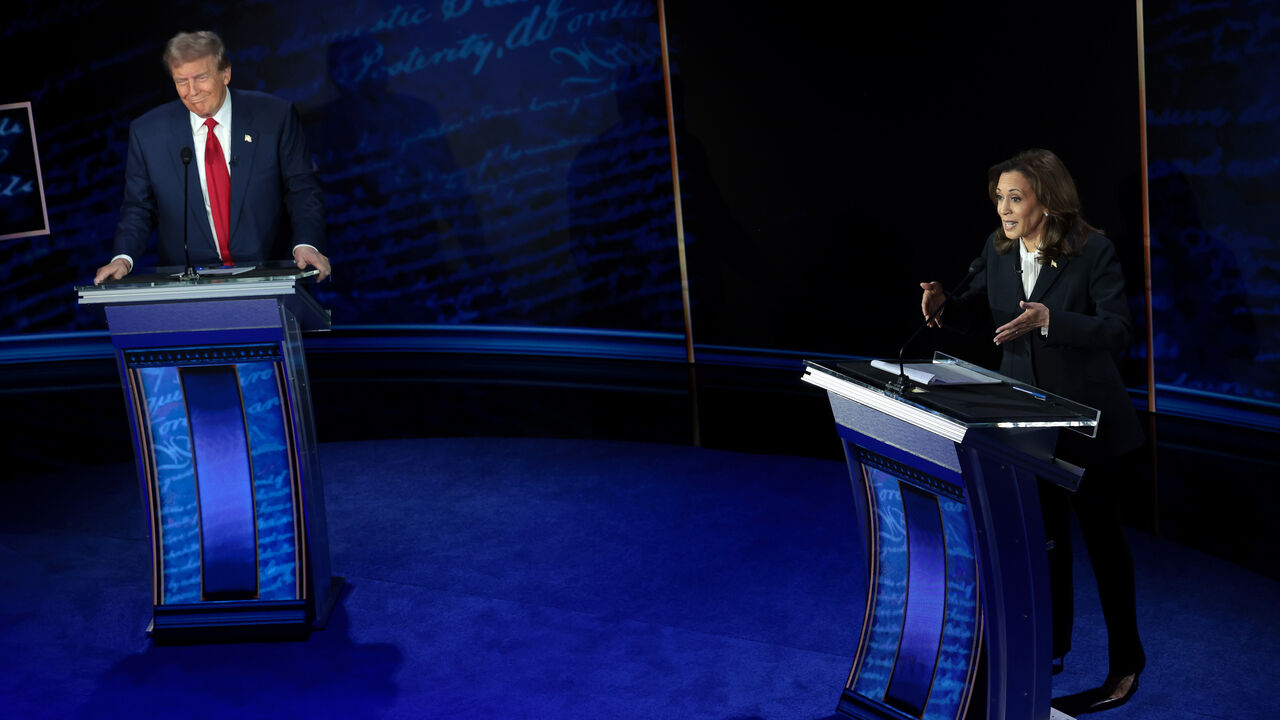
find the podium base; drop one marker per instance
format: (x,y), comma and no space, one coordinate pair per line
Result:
(325,609)
(240,620)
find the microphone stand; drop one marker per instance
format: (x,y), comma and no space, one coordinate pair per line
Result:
(190,274)
(901,383)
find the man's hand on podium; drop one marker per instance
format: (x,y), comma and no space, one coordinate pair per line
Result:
(114,270)
(306,255)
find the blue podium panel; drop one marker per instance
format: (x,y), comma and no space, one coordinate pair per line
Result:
(920,642)
(275,485)
(219,448)
(220,406)
(945,486)
(175,518)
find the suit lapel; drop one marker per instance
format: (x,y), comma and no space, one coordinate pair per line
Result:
(1049,274)
(197,219)
(244,143)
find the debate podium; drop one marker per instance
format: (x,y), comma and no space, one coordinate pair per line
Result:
(945,489)
(219,406)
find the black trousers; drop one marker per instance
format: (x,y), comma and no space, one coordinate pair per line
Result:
(1098,513)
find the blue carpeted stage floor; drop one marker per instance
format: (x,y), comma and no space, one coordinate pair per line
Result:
(537,578)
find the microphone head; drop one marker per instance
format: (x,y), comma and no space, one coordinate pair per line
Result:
(186,155)
(978,264)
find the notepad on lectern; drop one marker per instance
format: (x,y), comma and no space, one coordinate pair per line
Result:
(936,373)
(233,270)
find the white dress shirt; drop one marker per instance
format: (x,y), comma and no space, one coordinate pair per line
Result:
(1030,267)
(1030,273)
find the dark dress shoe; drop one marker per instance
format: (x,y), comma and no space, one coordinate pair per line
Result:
(1109,696)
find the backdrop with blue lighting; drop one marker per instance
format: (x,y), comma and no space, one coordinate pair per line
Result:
(507,163)
(483,162)
(1213,79)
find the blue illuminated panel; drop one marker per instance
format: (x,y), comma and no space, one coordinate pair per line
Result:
(230,519)
(1214,177)
(958,657)
(889,580)
(273,494)
(919,647)
(177,512)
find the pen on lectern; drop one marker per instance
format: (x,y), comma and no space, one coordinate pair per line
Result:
(1032,393)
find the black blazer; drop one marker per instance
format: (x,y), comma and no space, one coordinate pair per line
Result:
(272,173)
(1089,330)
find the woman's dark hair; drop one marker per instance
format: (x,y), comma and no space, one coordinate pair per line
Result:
(1065,231)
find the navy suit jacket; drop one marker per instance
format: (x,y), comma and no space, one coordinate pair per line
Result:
(271,175)
(1089,330)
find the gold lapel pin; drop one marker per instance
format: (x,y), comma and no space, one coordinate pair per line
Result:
(1052,263)
(248,138)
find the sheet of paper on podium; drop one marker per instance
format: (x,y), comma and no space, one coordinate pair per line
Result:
(936,373)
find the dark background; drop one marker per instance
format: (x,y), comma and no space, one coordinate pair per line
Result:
(852,153)
(830,160)
(828,163)
(506,165)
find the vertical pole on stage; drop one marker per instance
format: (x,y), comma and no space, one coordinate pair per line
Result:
(675,186)
(1146,264)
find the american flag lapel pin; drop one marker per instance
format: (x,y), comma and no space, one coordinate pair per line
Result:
(248,138)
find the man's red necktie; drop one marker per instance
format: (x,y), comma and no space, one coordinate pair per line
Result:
(219,182)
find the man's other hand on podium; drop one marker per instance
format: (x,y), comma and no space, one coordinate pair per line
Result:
(114,270)
(306,255)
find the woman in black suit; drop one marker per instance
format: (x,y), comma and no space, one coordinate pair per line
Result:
(1054,288)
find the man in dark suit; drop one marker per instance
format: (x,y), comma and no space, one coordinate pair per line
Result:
(252,169)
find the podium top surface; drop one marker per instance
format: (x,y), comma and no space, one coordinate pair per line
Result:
(163,284)
(1002,402)
(281,281)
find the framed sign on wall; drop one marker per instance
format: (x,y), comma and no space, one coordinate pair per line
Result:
(22,207)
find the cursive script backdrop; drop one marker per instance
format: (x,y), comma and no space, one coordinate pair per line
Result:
(1213,80)
(507,162)
(484,161)
(22,210)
